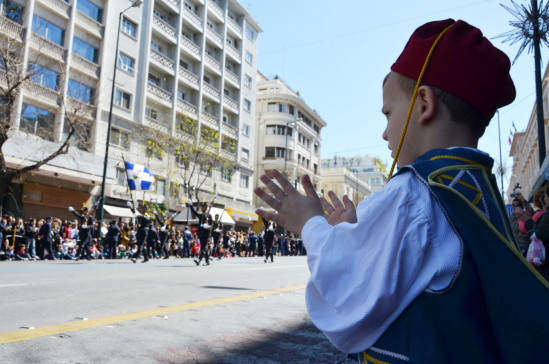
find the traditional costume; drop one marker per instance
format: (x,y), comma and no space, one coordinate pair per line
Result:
(431,272)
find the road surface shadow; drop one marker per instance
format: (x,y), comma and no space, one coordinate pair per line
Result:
(222,287)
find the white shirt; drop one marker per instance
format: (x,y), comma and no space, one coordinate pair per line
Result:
(364,275)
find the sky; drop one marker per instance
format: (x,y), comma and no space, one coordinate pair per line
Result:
(337,54)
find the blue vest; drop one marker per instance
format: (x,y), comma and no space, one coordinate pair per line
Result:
(495,310)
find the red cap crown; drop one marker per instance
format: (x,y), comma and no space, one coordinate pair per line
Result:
(464,63)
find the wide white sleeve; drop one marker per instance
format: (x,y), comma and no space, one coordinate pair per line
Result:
(363,275)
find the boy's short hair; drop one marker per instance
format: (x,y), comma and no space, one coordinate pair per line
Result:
(460,111)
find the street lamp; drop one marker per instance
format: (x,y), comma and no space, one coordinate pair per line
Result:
(105,163)
(286,151)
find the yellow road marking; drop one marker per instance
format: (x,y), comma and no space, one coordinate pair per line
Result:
(22,335)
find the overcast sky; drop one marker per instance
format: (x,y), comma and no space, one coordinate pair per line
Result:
(337,54)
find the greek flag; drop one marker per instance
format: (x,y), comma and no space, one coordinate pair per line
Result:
(139,177)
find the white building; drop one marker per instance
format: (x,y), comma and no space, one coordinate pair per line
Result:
(343,182)
(368,169)
(179,59)
(288,134)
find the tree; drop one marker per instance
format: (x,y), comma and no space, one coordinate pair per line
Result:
(40,74)
(382,166)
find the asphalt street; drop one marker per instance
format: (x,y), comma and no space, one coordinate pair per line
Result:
(238,310)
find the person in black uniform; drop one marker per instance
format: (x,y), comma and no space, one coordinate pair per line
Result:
(112,239)
(216,234)
(270,228)
(45,236)
(152,240)
(86,231)
(252,239)
(203,232)
(142,231)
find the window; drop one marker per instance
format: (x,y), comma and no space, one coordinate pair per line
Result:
(188,6)
(226,174)
(226,92)
(245,154)
(90,9)
(151,113)
(368,170)
(282,107)
(122,99)
(47,30)
(291,109)
(315,167)
(128,27)
(248,81)
(80,92)
(154,80)
(84,49)
(120,177)
(245,130)
(281,130)
(37,121)
(206,169)
(208,52)
(250,33)
(247,105)
(120,138)
(160,185)
(155,150)
(289,131)
(175,190)
(316,148)
(156,47)
(81,138)
(271,130)
(210,25)
(43,76)
(12,11)
(249,57)
(271,107)
(270,152)
(180,95)
(183,64)
(206,79)
(158,14)
(244,180)
(125,63)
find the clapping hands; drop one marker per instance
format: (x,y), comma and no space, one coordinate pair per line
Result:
(339,212)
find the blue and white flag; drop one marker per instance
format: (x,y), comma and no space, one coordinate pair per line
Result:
(139,177)
(514,126)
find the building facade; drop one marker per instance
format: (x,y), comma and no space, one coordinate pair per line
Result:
(343,182)
(368,169)
(181,63)
(288,135)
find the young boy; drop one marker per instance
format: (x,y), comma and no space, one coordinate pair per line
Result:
(430,272)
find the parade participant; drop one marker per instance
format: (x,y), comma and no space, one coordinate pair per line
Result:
(142,231)
(270,228)
(252,245)
(187,239)
(204,225)
(46,239)
(86,231)
(112,238)
(152,240)
(216,235)
(260,244)
(431,272)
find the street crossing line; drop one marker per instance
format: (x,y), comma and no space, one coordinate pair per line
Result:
(22,335)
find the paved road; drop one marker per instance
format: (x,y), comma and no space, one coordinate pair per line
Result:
(238,310)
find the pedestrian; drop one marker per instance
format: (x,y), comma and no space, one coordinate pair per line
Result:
(270,228)
(216,235)
(46,238)
(252,243)
(31,232)
(112,238)
(187,239)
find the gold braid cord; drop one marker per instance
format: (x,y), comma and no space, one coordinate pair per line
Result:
(414,95)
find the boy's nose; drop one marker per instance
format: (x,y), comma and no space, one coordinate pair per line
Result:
(384,135)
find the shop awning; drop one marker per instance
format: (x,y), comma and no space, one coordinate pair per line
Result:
(118,211)
(225,217)
(244,215)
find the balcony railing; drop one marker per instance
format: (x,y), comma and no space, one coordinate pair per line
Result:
(162,24)
(211,90)
(62,6)
(175,2)
(89,23)
(48,47)
(230,130)
(216,8)
(162,59)
(211,149)
(154,124)
(235,26)
(187,106)
(230,102)
(79,108)
(159,91)
(213,62)
(215,35)
(232,76)
(85,65)
(210,119)
(11,29)
(227,155)
(190,45)
(188,75)
(194,18)
(233,51)
(42,93)
(183,136)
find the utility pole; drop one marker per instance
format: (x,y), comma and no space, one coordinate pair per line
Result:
(539,88)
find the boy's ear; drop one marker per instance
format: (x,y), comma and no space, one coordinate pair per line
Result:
(426,104)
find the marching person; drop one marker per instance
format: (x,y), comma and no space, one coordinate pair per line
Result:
(86,231)
(216,235)
(46,238)
(269,236)
(204,225)
(431,271)
(112,238)
(152,240)
(142,231)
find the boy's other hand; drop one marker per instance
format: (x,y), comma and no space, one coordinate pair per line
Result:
(339,212)
(294,209)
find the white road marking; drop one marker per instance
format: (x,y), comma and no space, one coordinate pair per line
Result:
(288,266)
(13,285)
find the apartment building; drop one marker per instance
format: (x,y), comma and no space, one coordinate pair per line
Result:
(181,62)
(343,182)
(288,135)
(368,169)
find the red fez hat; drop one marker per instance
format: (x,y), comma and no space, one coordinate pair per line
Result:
(464,63)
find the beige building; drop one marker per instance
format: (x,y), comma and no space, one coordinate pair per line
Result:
(368,169)
(343,182)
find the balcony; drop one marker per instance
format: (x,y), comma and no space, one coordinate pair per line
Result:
(216,10)
(89,25)
(42,93)
(188,77)
(230,130)
(85,66)
(166,28)
(232,103)
(231,76)
(210,120)
(191,47)
(162,59)
(174,3)
(227,155)
(59,6)
(211,149)
(11,29)
(47,47)
(79,108)
(213,63)
(237,29)
(214,36)
(194,19)
(187,106)
(154,124)
(159,92)
(184,137)
(233,52)
(211,91)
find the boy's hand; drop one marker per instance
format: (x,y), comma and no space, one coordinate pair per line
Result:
(339,213)
(294,209)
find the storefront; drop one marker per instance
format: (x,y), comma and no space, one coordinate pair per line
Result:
(41,200)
